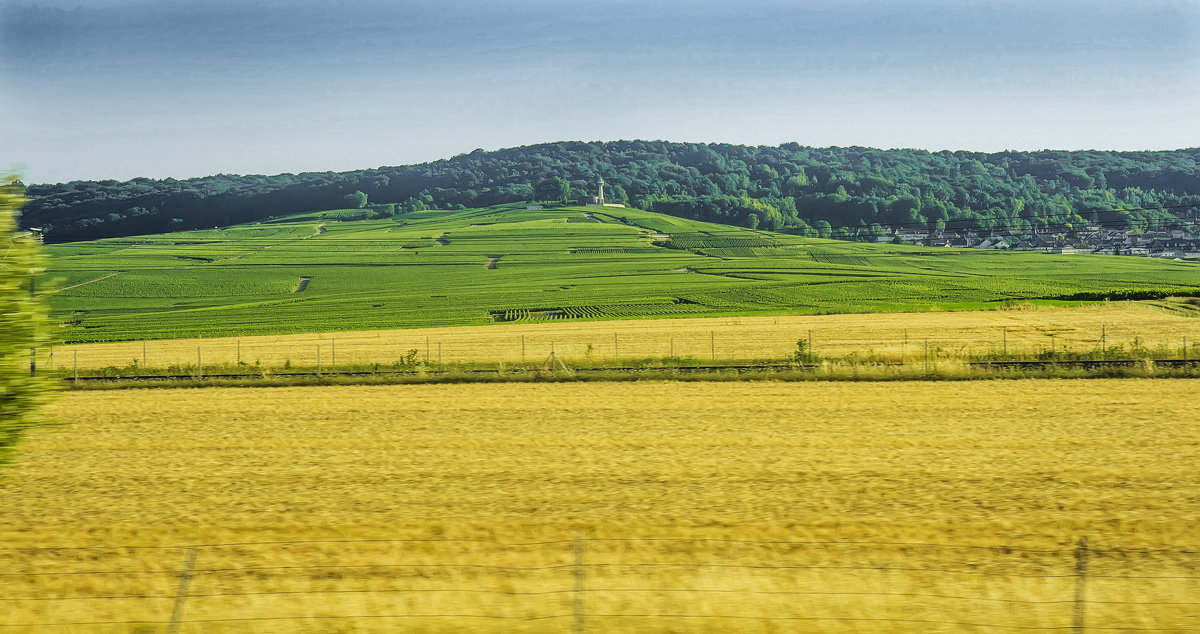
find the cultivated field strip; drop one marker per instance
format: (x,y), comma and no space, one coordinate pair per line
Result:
(762,507)
(885,337)
(604,584)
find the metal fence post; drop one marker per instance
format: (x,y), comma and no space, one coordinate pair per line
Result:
(580,577)
(185,580)
(1081,562)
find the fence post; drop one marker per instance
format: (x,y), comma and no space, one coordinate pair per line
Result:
(144,353)
(441,368)
(239,344)
(522,348)
(318,359)
(333,356)
(926,355)
(1081,562)
(426,350)
(616,348)
(577,604)
(185,580)
(712,344)
(1184,352)
(199,364)
(1005,330)
(77,366)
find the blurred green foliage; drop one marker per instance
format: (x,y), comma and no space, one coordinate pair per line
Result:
(23,324)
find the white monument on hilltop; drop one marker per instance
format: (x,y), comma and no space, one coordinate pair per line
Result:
(598,201)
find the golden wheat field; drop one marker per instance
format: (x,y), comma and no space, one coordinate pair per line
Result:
(894,336)
(609,507)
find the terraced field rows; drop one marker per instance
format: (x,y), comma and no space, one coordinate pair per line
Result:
(426,269)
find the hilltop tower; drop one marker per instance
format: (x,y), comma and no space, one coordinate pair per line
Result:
(598,200)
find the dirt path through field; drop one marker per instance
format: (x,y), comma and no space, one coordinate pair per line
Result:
(104,277)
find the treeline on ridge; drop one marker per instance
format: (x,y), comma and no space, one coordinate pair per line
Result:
(838,192)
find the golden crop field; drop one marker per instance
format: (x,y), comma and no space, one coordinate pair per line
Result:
(609,507)
(893,336)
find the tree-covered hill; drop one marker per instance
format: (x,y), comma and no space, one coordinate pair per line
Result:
(792,188)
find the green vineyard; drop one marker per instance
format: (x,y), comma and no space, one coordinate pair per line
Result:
(480,266)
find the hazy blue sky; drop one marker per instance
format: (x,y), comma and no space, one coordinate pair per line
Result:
(117,89)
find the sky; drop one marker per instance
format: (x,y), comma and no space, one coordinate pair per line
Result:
(134,88)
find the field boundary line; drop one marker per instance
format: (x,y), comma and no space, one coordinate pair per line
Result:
(104,277)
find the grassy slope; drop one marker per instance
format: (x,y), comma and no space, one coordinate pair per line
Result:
(431,269)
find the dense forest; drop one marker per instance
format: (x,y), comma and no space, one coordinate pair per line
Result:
(839,192)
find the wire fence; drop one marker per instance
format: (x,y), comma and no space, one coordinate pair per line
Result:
(599,584)
(732,342)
